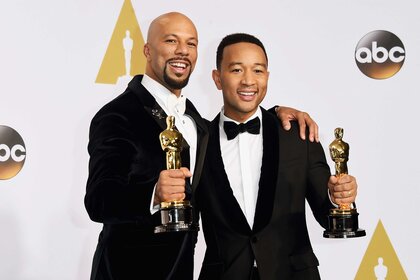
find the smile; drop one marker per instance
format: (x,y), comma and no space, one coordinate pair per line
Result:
(178,65)
(247,93)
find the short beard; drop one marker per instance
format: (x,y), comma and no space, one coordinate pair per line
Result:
(175,84)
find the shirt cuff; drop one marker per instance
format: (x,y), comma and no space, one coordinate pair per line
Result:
(329,196)
(154,208)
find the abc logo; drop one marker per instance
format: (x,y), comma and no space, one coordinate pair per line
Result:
(380,54)
(12,152)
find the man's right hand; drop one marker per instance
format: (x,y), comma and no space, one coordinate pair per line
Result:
(171,185)
(343,189)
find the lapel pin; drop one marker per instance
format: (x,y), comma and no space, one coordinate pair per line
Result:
(157,113)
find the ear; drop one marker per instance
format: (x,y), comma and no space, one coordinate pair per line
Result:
(146,51)
(216,78)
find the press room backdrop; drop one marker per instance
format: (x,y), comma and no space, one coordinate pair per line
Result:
(353,64)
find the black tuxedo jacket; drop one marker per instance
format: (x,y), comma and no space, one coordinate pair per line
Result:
(292,170)
(125,161)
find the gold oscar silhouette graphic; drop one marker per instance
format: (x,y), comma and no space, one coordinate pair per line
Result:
(175,215)
(342,221)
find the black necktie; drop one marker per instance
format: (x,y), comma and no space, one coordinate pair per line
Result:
(232,129)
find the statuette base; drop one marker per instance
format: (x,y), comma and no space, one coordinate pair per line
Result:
(176,216)
(343,223)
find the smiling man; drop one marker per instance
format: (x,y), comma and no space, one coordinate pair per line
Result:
(256,178)
(127,175)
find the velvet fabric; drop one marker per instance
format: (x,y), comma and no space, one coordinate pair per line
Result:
(125,161)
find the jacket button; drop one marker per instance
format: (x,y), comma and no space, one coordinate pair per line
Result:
(254,239)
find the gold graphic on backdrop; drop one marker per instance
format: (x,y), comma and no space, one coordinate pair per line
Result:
(12,152)
(124,56)
(380,260)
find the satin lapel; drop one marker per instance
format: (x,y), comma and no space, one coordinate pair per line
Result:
(150,105)
(148,101)
(228,203)
(269,171)
(202,140)
(159,115)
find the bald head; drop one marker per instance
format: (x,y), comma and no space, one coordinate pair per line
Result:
(162,21)
(171,50)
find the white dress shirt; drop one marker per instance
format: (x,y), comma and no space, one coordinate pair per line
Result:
(242,158)
(174,106)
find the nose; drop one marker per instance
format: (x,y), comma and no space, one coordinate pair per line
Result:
(248,78)
(182,49)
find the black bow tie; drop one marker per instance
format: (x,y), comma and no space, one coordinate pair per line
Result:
(232,129)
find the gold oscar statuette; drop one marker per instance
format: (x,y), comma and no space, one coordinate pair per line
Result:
(342,221)
(175,215)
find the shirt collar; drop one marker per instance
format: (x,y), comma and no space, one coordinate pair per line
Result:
(164,97)
(224,118)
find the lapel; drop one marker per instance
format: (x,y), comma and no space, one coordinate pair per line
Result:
(269,171)
(202,139)
(158,114)
(148,101)
(229,206)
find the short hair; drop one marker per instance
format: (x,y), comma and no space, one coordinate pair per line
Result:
(234,39)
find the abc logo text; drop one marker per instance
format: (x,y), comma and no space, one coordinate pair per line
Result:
(380,54)
(12,152)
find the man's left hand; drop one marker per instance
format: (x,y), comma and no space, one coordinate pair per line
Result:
(343,189)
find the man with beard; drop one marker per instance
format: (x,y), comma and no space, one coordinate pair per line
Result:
(127,167)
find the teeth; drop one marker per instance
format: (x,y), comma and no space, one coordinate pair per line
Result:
(179,64)
(247,93)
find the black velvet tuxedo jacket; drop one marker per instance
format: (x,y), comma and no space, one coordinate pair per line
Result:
(125,161)
(292,170)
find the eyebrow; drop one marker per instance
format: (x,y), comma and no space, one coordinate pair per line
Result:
(241,63)
(177,36)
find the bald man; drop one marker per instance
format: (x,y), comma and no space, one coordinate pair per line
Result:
(127,176)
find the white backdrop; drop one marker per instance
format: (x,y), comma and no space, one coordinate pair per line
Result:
(51,52)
